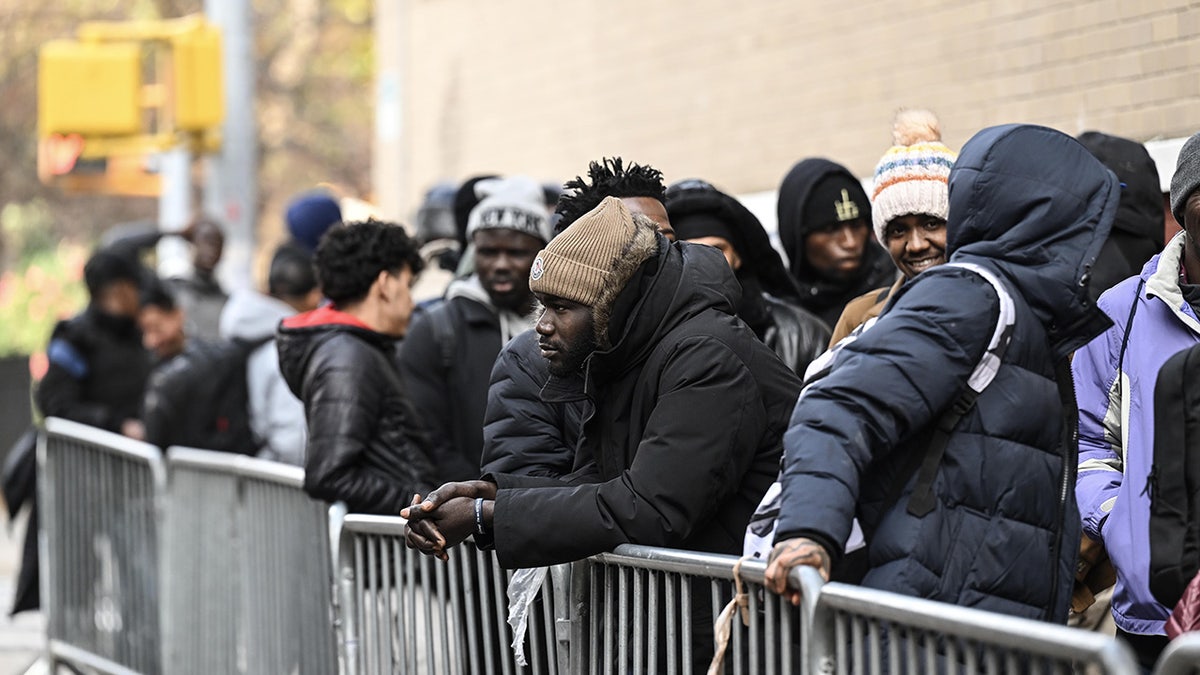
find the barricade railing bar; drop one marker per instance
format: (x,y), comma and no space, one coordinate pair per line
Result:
(99,512)
(651,610)
(209,562)
(858,630)
(1182,656)
(408,613)
(250,589)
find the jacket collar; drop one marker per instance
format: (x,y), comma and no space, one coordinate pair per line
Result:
(1162,282)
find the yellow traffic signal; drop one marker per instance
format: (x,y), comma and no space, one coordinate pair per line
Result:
(199,92)
(89,88)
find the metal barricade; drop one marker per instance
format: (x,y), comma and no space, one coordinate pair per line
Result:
(99,503)
(651,610)
(858,630)
(1181,657)
(248,584)
(404,612)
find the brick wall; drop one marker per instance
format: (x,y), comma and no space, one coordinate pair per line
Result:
(738,92)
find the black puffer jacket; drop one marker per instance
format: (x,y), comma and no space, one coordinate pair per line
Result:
(522,434)
(683,432)
(1004,530)
(825,297)
(365,445)
(98,370)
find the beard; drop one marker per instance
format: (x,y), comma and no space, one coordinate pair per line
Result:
(570,359)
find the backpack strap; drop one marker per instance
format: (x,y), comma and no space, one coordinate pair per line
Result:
(1137,297)
(922,499)
(443,333)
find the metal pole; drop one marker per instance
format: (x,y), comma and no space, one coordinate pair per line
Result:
(387,165)
(174,210)
(231,185)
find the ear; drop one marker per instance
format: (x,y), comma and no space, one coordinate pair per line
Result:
(735,259)
(380,286)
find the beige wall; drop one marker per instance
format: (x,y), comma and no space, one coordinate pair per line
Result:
(737,92)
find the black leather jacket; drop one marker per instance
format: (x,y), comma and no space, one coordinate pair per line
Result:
(365,444)
(797,335)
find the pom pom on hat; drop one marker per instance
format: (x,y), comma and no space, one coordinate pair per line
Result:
(913,175)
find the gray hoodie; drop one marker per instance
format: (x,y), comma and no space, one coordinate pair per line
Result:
(276,415)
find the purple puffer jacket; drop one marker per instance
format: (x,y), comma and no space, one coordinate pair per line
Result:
(1116,426)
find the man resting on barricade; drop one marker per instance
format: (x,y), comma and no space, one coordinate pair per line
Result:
(685,407)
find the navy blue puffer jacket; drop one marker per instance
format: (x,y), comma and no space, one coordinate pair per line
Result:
(1031,205)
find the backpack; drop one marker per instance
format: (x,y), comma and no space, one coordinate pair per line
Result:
(1174,482)
(760,533)
(211,383)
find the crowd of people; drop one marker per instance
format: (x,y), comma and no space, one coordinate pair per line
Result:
(943,385)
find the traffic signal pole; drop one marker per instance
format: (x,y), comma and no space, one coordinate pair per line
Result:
(231,176)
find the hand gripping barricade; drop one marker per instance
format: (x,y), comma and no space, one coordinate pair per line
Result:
(249,583)
(405,612)
(100,502)
(652,610)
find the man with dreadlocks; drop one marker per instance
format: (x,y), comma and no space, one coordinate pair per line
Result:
(522,433)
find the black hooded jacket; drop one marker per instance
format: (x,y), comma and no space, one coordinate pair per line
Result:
(365,446)
(824,297)
(98,370)
(682,428)
(770,302)
(1032,207)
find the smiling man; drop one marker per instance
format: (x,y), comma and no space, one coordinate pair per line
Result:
(909,205)
(686,406)
(447,358)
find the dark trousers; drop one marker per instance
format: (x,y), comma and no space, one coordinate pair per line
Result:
(1146,648)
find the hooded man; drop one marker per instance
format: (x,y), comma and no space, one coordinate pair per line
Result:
(702,214)
(98,367)
(1137,234)
(447,358)
(994,525)
(686,406)
(825,227)
(365,443)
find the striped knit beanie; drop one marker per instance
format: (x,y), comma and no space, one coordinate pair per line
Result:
(912,177)
(593,259)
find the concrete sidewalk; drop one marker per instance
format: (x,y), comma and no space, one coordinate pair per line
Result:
(22,638)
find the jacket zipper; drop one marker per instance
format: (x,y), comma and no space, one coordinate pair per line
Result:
(1071,418)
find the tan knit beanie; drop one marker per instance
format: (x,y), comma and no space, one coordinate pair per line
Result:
(593,259)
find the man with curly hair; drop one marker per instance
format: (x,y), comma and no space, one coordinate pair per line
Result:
(364,445)
(523,434)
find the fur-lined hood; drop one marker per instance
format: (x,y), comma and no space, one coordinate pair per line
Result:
(679,282)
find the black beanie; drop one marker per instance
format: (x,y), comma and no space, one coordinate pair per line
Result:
(697,225)
(834,200)
(107,267)
(697,209)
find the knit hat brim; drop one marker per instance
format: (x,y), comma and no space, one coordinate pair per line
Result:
(1187,176)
